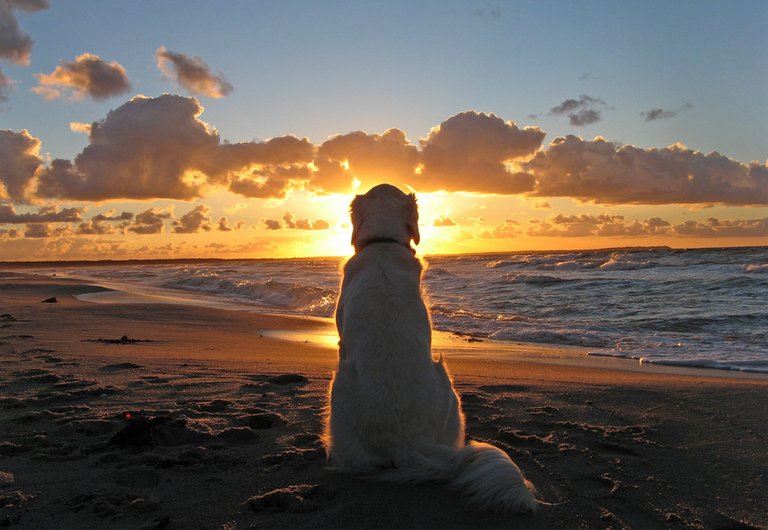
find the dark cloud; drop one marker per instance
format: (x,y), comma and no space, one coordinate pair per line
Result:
(583,111)
(489,9)
(47,214)
(290,222)
(111,216)
(46,230)
(659,113)
(604,172)
(15,45)
(6,234)
(222,225)
(95,227)
(470,152)
(192,74)
(87,75)
(151,221)
(19,161)
(196,220)
(369,158)
(272,224)
(5,86)
(713,227)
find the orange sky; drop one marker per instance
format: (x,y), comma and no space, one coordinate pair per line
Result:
(573,131)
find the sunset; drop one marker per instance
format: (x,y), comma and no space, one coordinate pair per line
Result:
(428,264)
(202,144)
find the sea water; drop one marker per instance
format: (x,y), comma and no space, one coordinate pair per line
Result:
(702,307)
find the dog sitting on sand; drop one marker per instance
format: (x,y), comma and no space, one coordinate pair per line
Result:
(393,409)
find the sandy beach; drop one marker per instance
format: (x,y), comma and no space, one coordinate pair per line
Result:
(147,415)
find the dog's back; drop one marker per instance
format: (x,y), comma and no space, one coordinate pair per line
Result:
(388,394)
(393,408)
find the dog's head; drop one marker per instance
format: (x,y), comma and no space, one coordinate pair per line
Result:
(384,212)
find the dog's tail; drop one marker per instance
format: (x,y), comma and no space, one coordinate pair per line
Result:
(480,471)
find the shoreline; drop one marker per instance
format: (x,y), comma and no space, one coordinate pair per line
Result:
(322,333)
(173,416)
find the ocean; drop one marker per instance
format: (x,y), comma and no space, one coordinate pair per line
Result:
(700,307)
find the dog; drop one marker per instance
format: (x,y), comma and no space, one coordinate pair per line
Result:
(393,410)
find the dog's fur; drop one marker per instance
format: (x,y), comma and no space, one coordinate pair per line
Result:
(393,410)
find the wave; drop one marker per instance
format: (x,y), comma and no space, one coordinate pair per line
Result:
(447,312)
(619,264)
(568,337)
(750,365)
(534,279)
(310,300)
(756,268)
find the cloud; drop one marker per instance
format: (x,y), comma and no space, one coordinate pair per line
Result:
(659,113)
(45,230)
(369,158)
(5,85)
(16,46)
(19,161)
(290,222)
(506,230)
(607,173)
(470,152)
(78,127)
(723,228)
(87,75)
(158,148)
(144,149)
(222,225)
(191,73)
(48,214)
(583,111)
(150,148)
(96,227)
(605,225)
(196,220)
(443,221)
(111,216)
(6,234)
(265,170)
(151,221)
(272,224)
(590,225)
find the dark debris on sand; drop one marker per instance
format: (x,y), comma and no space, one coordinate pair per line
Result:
(287,379)
(122,340)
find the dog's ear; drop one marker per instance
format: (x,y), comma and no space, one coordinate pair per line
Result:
(412,215)
(354,210)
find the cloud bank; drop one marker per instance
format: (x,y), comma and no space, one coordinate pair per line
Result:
(159,148)
(604,172)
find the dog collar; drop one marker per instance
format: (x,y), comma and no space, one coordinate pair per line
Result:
(377,240)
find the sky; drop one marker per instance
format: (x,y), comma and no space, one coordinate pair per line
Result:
(192,129)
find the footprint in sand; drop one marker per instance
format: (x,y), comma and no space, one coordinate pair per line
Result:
(297,498)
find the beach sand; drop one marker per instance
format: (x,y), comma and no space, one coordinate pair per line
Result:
(139,415)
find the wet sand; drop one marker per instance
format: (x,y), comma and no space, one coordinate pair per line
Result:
(146,415)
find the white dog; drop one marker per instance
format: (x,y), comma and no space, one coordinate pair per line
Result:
(393,409)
